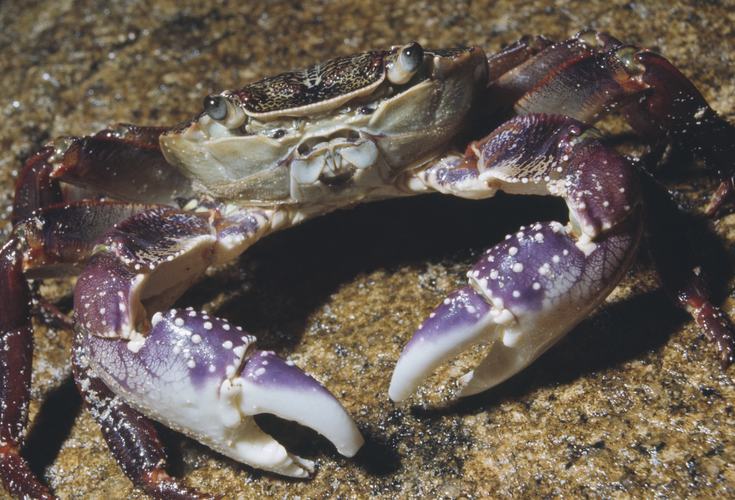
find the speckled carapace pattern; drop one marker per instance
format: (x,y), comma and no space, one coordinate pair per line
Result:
(631,403)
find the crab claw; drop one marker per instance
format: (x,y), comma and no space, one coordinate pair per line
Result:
(524,295)
(199,375)
(460,321)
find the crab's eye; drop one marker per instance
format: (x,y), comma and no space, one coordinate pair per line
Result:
(216,107)
(407,62)
(411,56)
(220,109)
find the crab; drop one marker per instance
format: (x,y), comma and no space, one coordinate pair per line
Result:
(141,213)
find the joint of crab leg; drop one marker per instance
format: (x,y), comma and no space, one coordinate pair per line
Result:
(672,109)
(598,39)
(58,239)
(199,375)
(35,189)
(577,76)
(144,264)
(560,156)
(514,55)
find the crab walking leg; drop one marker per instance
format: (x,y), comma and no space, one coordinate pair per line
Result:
(592,73)
(528,291)
(16,351)
(102,163)
(75,168)
(192,372)
(50,243)
(35,188)
(514,55)
(681,271)
(675,111)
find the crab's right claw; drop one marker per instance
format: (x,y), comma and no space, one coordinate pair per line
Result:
(526,293)
(200,375)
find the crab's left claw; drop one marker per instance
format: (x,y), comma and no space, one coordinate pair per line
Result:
(199,375)
(526,293)
(529,290)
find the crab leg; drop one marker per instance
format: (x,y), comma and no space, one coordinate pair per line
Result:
(35,188)
(16,351)
(72,169)
(124,162)
(675,111)
(682,271)
(592,73)
(76,168)
(580,77)
(514,55)
(528,291)
(42,245)
(194,373)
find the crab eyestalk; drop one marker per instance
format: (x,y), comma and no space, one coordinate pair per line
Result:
(405,63)
(221,109)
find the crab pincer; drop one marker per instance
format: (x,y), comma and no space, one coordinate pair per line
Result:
(528,291)
(203,377)
(195,373)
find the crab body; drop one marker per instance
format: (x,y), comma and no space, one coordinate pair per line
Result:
(330,135)
(141,213)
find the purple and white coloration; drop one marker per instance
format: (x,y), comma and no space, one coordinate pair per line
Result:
(201,376)
(195,373)
(524,294)
(276,152)
(540,282)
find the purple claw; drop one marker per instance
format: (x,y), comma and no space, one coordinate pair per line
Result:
(453,326)
(525,294)
(278,387)
(198,374)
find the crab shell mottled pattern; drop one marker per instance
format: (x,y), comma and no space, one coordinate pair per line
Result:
(340,127)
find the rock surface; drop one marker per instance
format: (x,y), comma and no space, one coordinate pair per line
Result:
(631,403)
